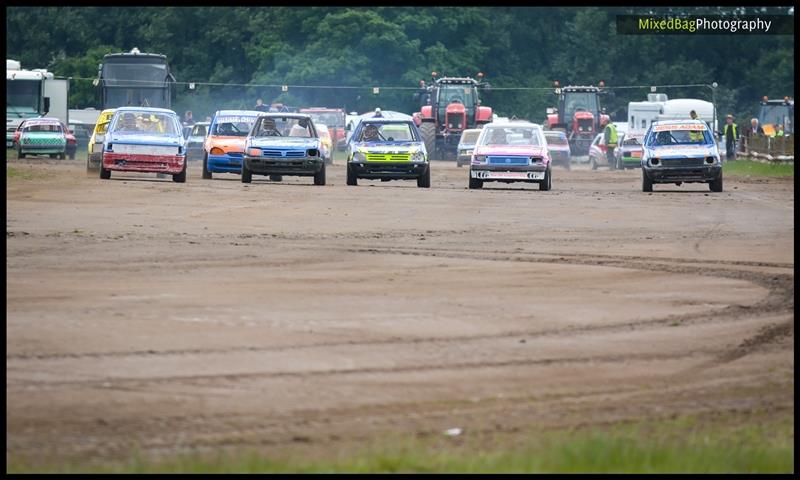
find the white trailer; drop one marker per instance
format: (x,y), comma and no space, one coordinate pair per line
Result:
(659,107)
(33,93)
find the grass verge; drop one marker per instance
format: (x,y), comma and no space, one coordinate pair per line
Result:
(748,168)
(729,443)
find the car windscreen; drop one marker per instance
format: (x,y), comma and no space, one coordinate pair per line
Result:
(469,137)
(507,135)
(233,125)
(43,127)
(149,123)
(386,132)
(297,127)
(664,135)
(556,139)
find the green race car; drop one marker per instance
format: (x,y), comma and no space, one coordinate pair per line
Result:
(42,136)
(387,149)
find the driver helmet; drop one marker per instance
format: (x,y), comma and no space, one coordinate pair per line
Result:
(370,132)
(268,124)
(128,120)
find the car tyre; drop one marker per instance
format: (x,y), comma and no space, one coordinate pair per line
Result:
(247,175)
(547,183)
(424,180)
(647,184)
(352,178)
(105,174)
(593,163)
(206,174)
(716,185)
(475,183)
(319,177)
(181,177)
(276,178)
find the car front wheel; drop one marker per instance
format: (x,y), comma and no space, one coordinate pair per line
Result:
(319,177)
(647,184)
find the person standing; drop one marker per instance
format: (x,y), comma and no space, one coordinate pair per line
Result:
(188,120)
(731,137)
(610,140)
(260,105)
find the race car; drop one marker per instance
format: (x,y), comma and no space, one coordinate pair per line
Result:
(514,151)
(195,141)
(41,136)
(283,144)
(465,146)
(143,139)
(95,147)
(224,144)
(597,153)
(680,151)
(387,149)
(327,142)
(558,146)
(629,152)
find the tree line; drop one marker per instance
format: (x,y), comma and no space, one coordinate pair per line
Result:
(398,46)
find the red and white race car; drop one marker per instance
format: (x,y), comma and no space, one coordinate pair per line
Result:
(511,152)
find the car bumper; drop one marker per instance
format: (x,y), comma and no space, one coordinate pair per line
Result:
(127,162)
(703,173)
(390,170)
(631,161)
(304,166)
(224,163)
(502,173)
(43,149)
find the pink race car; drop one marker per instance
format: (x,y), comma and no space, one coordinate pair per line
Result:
(511,152)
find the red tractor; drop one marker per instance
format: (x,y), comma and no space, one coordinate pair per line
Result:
(449,106)
(578,114)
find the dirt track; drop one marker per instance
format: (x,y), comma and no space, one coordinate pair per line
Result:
(143,312)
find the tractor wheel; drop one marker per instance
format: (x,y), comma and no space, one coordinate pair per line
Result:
(428,131)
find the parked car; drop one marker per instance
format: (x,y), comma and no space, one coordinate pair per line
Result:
(283,144)
(466,145)
(224,145)
(195,140)
(41,136)
(387,149)
(514,151)
(82,132)
(326,141)
(597,153)
(95,147)
(629,152)
(72,142)
(142,139)
(558,146)
(680,151)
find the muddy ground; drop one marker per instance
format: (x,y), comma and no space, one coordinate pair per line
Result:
(166,317)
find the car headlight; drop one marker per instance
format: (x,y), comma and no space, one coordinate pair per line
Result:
(418,157)
(254,152)
(479,158)
(359,157)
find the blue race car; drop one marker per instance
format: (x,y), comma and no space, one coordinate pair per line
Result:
(680,151)
(283,144)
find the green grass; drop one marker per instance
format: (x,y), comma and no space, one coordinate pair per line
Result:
(686,444)
(758,169)
(15,173)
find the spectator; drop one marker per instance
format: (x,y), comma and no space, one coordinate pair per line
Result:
(187,119)
(731,137)
(755,129)
(260,105)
